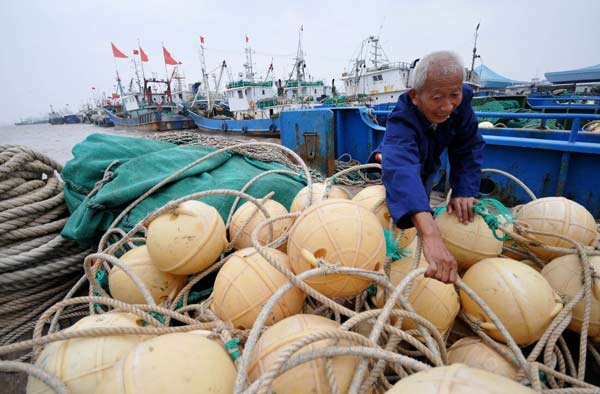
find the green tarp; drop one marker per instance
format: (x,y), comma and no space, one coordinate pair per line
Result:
(144,163)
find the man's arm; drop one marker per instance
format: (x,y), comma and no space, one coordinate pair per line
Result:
(465,154)
(401,173)
(407,198)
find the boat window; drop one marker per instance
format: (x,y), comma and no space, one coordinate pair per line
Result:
(240,94)
(263,92)
(378,77)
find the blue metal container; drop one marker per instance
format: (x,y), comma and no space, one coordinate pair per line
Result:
(551,163)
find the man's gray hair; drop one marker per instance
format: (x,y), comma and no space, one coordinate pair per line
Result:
(441,63)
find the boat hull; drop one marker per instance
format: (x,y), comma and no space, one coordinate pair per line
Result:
(257,127)
(152,121)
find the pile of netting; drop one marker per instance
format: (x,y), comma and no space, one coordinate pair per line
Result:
(37,265)
(513,106)
(321,299)
(267,154)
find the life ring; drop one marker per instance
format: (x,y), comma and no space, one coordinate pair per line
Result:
(244,129)
(224,127)
(272,127)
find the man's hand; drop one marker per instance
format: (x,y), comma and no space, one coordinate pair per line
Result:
(463,208)
(442,265)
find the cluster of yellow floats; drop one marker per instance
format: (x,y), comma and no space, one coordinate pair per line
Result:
(343,231)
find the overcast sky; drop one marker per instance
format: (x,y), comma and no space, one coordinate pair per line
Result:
(54,52)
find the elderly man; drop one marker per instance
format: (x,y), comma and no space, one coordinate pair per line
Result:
(435,114)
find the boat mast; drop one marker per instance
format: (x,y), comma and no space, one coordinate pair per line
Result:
(475,55)
(248,65)
(137,75)
(141,60)
(300,63)
(205,76)
(375,42)
(204,79)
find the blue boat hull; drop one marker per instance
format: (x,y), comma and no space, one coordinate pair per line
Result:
(71,119)
(551,163)
(270,127)
(152,120)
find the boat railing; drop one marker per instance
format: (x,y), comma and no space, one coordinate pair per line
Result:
(576,118)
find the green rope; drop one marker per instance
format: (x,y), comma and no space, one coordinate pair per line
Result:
(102,280)
(493,221)
(391,247)
(371,290)
(155,315)
(194,297)
(439,210)
(486,208)
(232,348)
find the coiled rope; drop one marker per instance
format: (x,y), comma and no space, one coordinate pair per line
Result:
(37,265)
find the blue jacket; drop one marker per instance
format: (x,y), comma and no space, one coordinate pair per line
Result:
(411,150)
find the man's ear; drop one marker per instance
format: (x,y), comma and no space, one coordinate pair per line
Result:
(412,93)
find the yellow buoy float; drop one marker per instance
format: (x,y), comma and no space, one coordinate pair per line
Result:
(161,285)
(435,301)
(457,379)
(468,243)
(560,216)
(371,197)
(310,377)
(186,240)
(475,353)
(341,232)
(565,275)
(83,363)
(172,364)
(246,282)
(522,299)
(318,190)
(248,212)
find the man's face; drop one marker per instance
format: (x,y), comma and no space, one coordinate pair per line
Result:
(439,97)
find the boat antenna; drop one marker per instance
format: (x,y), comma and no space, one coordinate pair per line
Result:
(475,55)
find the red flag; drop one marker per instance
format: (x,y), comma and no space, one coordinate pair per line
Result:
(117,53)
(143,55)
(201,40)
(168,58)
(136,52)
(247,39)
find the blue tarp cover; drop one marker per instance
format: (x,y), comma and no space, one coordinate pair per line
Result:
(492,80)
(585,74)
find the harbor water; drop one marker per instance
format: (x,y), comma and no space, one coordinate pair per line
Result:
(57,141)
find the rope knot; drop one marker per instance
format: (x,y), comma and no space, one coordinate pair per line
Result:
(330,267)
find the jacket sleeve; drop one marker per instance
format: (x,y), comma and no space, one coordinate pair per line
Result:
(401,173)
(465,153)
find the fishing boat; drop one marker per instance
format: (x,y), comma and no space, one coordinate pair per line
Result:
(255,103)
(55,118)
(152,111)
(372,79)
